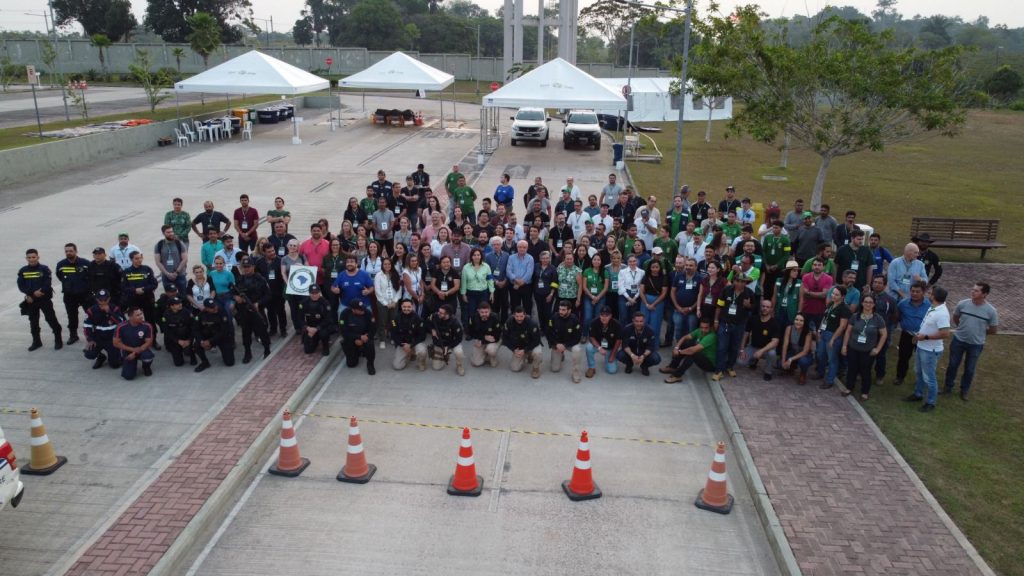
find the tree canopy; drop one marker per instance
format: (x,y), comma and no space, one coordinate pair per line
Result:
(205,35)
(112,18)
(169,18)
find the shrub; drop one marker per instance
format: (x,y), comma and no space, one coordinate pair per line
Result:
(92,75)
(1017,106)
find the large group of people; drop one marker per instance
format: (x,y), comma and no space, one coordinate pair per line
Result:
(607,278)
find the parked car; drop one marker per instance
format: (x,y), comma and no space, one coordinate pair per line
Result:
(581,127)
(530,125)
(11,488)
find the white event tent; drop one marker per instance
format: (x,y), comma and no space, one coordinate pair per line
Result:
(255,73)
(653,103)
(400,71)
(556,84)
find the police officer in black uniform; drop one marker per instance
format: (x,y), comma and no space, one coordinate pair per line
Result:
(36,283)
(251,294)
(72,272)
(177,324)
(408,333)
(564,336)
(484,332)
(522,337)
(101,320)
(213,329)
(104,274)
(269,266)
(138,290)
(446,340)
(357,336)
(134,339)
(317,322)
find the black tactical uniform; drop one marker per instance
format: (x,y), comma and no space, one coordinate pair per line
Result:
(254,289)
(408,329)
(355,325)
(213,326)
(316,314)
(178,325)
(564,330)
(99,327)
(271,270)
(74,280)
(479,328)
(30,280)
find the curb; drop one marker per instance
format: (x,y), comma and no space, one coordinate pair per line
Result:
(957,534)
(776,535)
(219,503)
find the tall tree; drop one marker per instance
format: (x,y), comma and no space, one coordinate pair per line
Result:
(169,18)
(120,21)
(611,21)
(847,90)
(178,53)
(374,25)
(91,14)
(1004,84)
(205,36)
(101,42)
(302,32)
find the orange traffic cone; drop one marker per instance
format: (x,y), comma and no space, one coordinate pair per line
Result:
(43,461)
(715,495)
(465,482)
(582,486)
(289,462)
(356,470)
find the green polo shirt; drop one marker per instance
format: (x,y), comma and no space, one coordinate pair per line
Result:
(709,341)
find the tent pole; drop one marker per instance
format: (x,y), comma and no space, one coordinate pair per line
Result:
(441,102)
(177,109)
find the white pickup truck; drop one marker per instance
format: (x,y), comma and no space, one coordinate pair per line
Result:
(11,488)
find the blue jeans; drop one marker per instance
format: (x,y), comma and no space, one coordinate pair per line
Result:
(610,365)
(925,365)
(626,311)
(653,318)
(957,350)
(683,323)
(828,356)
(730,337)
(590,310)
(473,300)
(181,282)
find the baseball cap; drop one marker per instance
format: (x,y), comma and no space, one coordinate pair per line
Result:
(175,300)
(99,250)
(657,250)
(808,214)
(355,305)
(227,237)
(209,303)
(606,310)
(314,288)
(171,288)
(246,262)
(103,295)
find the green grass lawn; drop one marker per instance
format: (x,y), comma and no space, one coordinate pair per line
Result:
(969,453)
(28,135)
(977,174)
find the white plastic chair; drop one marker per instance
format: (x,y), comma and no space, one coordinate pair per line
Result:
(188,131)
(226,126)
(202,130)
(247,131)
(181,137)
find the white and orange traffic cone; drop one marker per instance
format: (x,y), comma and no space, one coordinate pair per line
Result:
(289,462)
(465,482)
(715,495)
(582,486)
(43,460)
(356,470)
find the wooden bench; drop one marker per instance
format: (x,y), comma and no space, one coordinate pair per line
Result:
(977,233)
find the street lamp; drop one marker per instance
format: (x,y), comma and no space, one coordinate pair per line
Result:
(688,11)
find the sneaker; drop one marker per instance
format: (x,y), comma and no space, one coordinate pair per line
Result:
(72,339)
(963,396)
(926,408)
(247,357)
(370,369)
(58,343)
(202,367)
(629,369)
(591,372)
(147,370)
(100,359)
(731,372)
(536,372)
(716,376)
(665,369)
(913,398)
(35,346)
(266,352)
(673,379)
(645,370)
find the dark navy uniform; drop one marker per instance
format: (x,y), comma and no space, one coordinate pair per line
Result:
(316,314)
(564,330)
(141,277)
(178,326)
(639,343)
(104,275)
(479,328)
(271,270)
(135,336)
(408,329)
(353,327)
(214,327)
(523,335)
(445,333)
(543,280)
(99,327)
(32,279)
(74,280)
(250,316)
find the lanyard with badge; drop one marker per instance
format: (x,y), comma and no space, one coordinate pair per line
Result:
(245,219)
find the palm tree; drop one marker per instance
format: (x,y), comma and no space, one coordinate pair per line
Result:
(179,53)
(205,35)
(101,41)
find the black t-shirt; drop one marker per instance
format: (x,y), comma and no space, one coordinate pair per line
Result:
(210,221)
(834,314)
(736,308)
(761,333)
(654,284)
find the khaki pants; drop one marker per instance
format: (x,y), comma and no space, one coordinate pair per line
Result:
(485,352)
(401,360)
(535,357)
(558,357)
(457,353)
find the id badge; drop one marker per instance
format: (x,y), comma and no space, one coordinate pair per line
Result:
(732,309)
(604,343)
(397,210)
(855,265)
(689,285)
(444,286)
(540,284)
(707,299)
(271,275)
(245,225)
(785,303)
(558,244)
(170,262)
(862,339)
(383,226)
(615,285)
(593,291)
(280,251)
(334,274)
(456,262)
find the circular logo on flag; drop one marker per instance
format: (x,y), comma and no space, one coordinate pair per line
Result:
(301,280)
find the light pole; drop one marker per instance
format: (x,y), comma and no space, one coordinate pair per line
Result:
(688,11)
(269,30)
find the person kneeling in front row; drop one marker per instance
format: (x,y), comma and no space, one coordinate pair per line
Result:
(640,346)
(604,341)
(134,339)
(446,338)
(522,337)
(564,336)
(699,347)
(408,334)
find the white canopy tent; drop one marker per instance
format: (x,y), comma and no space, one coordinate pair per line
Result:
(255,73)
(556,84)
(653,103)
(400,71)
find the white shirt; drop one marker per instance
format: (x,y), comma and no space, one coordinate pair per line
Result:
(578,222)
(386,293)
(682,239)
(696,251)
(120,255)
(436,247)
(629,280)
(230,257)
(574,192)
(935,319)
(644,233)
(608,221)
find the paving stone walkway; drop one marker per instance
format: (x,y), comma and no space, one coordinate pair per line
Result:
(845,504)
(139,538)
(1007,282)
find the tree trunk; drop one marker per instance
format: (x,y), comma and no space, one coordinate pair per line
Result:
(711,110)
(784,161)
(819,183)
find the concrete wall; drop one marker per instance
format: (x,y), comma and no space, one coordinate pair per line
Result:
(79,56)
(28,162)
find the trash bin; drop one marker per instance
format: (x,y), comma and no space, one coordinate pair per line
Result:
(616,153)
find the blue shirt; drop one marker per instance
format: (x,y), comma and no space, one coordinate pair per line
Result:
(901,276)
(686,288)
(520,268)
(498,265)
(352,287)
(504,194)
(911,315)
(221,280)
(881,255)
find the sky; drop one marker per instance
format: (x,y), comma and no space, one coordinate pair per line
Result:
(285,12)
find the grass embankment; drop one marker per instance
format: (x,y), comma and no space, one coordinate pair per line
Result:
(968,454)
(28,135)
(977,174)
